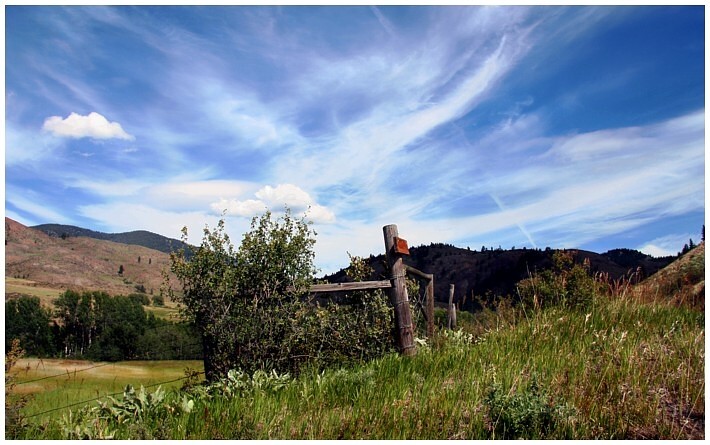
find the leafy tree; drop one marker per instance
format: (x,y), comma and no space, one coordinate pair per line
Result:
(121,321)
(164,340)
(29,322)
(120,269)
(98,326)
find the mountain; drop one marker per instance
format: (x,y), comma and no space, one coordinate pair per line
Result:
(497,271)
(64,255)
(81,263)
(139,237)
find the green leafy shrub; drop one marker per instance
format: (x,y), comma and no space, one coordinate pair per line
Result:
(527,414)
(252,307)
(568,285)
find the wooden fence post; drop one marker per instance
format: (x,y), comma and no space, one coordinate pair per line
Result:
(452,308)
(398,293)
(430,308)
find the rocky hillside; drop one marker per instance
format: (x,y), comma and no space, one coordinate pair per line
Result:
(81,263)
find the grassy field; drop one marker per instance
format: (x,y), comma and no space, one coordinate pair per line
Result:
(622,370)
(53,383)
(168,312)
(28,287)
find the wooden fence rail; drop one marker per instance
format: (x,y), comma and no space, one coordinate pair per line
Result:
(395,249)
(346,287)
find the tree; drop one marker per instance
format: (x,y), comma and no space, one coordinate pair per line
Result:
(29,322)
(120,269)
(98,326)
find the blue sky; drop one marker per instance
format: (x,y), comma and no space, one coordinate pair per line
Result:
(499,126)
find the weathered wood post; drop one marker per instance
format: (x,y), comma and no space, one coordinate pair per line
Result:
(452,308)
(430,307)
(394,251)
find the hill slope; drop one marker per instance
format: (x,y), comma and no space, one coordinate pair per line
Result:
(139,237)
(81,263)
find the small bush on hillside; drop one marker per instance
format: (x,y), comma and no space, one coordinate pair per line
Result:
(568,285)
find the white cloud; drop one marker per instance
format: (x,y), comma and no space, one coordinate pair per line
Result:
(285,194)
(93,126)
(666,245)
(319,214)
(233,207)
(275,198)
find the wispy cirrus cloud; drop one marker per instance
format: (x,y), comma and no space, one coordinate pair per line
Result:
(469,125)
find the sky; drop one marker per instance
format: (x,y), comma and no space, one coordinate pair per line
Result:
(562,127)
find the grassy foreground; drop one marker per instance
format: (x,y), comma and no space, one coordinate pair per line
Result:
(619,370)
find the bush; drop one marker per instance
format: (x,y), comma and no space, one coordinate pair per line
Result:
(528,414)
(141,298)
(252,307)
(568,285)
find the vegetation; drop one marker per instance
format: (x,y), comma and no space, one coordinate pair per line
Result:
(576,354)
(629,371)
(27,321)
(96,326)
(54,387)
(252,308)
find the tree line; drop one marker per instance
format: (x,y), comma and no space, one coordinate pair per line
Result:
(97,326)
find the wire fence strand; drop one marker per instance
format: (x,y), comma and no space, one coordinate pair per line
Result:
(84,402)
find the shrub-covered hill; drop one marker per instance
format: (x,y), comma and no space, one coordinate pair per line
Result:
(497,271)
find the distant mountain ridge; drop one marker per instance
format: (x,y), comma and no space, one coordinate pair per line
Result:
(138,237)
(497,271)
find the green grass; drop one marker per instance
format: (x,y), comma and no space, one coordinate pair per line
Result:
(164,312)
(78,380)
(620,370)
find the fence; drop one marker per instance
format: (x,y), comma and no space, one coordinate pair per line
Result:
(395,250)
